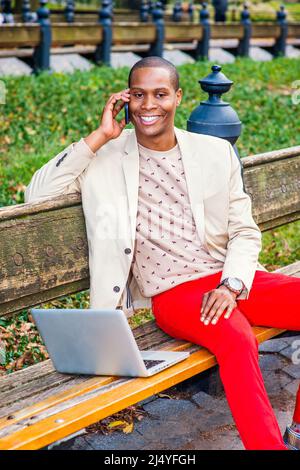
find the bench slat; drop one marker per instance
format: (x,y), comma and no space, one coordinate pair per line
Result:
(29,389)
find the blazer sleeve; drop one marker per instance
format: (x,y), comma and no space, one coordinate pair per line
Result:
(244,243)
(61,174)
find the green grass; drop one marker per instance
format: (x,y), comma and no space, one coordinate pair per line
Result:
(44,114)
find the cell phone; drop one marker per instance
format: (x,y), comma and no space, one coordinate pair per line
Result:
(127,120)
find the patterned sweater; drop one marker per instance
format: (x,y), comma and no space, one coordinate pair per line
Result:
(168,250)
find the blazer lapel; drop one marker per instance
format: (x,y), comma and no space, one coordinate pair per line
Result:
(192,164)
(193,169)
(130,163)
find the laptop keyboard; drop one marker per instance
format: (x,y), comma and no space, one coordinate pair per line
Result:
(149,363)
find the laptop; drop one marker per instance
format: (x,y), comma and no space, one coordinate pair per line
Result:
(97,342)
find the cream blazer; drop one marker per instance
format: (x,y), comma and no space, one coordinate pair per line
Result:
(108,182)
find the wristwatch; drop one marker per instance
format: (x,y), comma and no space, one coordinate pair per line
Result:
(232,283)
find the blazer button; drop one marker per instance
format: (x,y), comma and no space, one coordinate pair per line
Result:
(117,289)
(127,251)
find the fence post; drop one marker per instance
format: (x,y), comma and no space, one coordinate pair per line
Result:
(202,49)
(191,9)
(41,55)
(103,50)
(280,44)
(150,6)
(7,12)
(158,18)
(144,12)
(70,11)
(244,44)
(27,16)
(214,116)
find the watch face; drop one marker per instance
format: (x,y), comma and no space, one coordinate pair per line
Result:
(235,283)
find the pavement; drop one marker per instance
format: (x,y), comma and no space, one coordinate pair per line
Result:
(69,62)
(194,415)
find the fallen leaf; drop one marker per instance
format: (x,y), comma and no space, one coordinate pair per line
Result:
(113,424)
(128,429)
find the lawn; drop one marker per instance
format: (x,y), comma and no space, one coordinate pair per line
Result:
(44,114)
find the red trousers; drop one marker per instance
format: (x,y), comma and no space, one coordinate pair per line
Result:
(274,301)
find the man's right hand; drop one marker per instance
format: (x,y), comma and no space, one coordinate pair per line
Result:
(109,127)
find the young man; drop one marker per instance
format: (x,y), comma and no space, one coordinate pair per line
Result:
(169,226)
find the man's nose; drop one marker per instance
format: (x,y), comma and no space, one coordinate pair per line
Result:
(148,103)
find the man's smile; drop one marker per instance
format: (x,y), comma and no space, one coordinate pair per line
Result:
(148,120)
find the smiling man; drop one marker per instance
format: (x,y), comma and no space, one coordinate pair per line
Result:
(169,226)
(153,105)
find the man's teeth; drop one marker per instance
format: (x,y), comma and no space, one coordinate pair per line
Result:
(149,118)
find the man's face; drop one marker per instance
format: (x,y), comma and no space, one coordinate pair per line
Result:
(152,95)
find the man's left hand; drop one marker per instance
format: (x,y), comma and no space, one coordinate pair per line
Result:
(215,302)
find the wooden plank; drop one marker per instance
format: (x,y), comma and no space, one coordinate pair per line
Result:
(183,32)
(76,388)
(76,33)
(265,30)
(228,31)
(39,261)
(133,33)
(35,245)
(28,385)
(87,411)
(294,30)
(273,181)
(16,35)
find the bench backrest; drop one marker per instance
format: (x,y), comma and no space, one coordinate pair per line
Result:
(91,33)
(43,246)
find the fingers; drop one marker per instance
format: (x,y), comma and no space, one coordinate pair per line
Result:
(229,311)
(123,95)
(118,108)
(214,317)
(214,304)
(204,302)
(208,300)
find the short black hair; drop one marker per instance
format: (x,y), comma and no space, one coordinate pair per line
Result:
(156,61)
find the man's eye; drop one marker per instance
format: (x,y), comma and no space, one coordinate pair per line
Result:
(140,94)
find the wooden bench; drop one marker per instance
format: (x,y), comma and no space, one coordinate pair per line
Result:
(43,259)
(20,40)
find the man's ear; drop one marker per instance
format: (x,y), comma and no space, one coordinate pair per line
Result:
(178,96)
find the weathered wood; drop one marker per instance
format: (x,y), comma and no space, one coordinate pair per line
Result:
(76,33)
(29,382)
(183,32)
(294,30)
(72,414)
(15,35)
(133,33)
(273,181)
(87,31)
(265,30)
(230,31)
(37,256)
(39,261)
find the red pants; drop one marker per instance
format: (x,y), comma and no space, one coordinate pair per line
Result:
(274,301)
